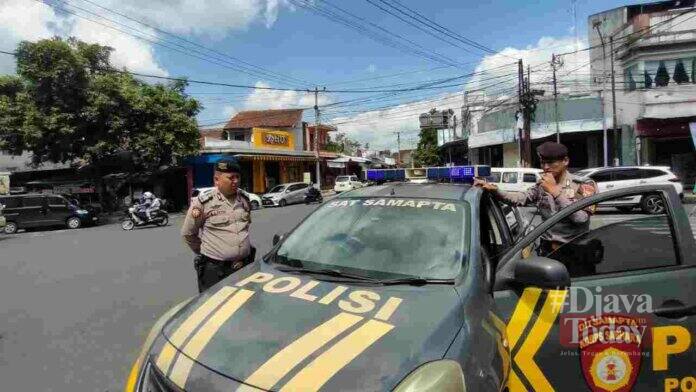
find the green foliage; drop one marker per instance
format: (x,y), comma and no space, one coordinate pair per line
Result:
(662,76)
(426,152)
(69,103)
(680,75)
(342,144)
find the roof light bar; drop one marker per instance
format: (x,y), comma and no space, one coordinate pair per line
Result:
(449,173)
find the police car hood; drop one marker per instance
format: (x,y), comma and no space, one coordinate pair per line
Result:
(331,335)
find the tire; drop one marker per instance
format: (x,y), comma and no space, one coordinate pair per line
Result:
(127,224)
(10,228)
(652,204)
(625,209)
(164,221)
(73,223)
(254,205)
(282,203)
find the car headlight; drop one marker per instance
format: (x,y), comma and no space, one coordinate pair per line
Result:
(132,384)
(82,212)
(444,375)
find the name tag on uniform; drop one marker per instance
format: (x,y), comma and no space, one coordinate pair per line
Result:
(569,193)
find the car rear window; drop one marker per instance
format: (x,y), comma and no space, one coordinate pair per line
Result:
(342,179)
(652,173)
(383,238)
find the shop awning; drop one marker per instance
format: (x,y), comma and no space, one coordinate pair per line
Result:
(286,158)
(539,131)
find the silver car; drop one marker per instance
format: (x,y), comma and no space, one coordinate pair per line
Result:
(284,194)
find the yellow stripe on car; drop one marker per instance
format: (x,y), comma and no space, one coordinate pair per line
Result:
(331,361)
(192,349)
(288,358)
(164,360)
(522,314)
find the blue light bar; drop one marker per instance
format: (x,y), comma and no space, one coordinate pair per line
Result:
(450,173)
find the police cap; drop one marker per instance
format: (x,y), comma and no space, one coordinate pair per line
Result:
(227,166)
(552,150)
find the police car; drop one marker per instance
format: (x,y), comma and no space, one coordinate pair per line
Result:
(436,287)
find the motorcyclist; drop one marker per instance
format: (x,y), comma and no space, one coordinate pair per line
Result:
(152,204)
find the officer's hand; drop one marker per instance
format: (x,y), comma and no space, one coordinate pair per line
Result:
(485,185)
(548,183)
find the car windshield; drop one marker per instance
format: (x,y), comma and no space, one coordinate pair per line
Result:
(382,238)
(277,189)
(342,179)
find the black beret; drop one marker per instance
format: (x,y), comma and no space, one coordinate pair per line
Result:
(227,166)
(552,150)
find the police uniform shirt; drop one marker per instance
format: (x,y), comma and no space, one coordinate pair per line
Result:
(218,227)
(572,190)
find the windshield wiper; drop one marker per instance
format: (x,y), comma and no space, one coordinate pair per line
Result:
(327,272)
(415,281)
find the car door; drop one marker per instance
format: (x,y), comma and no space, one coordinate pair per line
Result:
(58,210)
(33,212)
(628,325)
(12,208)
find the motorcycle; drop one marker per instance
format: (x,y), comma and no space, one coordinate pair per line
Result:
(313,195)
(135,217)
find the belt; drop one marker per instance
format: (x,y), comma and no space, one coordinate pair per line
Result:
(212,260)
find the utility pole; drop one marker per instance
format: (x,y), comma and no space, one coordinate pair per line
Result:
(398,145)
(617,140)
(316,135)
(520,92)
(527,139)
(605,141)
(555,62)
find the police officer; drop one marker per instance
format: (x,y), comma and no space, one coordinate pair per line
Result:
(556,190)
(216,227)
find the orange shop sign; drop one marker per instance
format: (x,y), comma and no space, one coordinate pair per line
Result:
(269,138)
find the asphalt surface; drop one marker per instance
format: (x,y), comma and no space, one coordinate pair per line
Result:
(75,305)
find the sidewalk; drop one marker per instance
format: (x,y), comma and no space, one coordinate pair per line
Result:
(689,197)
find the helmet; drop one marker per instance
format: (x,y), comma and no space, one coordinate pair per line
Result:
(148,195)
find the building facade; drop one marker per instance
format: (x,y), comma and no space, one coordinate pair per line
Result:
(655,81)
(272,147)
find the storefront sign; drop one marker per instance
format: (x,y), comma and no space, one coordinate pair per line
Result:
(271,138)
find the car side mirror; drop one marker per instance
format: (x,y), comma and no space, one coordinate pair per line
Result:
(542,272)
(277,238)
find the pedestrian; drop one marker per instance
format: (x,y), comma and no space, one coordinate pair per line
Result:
(216,227)
(556,190)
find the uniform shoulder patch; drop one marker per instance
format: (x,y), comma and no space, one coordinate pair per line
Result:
(206,196)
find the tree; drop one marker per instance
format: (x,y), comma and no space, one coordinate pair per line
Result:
(342,144)
(648,79)
(662,76)
(76,106)
(426,151)
(680,75)
(13,105)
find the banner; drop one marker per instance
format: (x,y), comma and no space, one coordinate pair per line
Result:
(692,126)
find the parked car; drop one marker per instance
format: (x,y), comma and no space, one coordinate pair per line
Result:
(284,194)
(254,199)
(36,210)
(514,179)
(611,178)
(347,183)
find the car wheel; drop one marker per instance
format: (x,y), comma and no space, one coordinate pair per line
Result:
(11,228)
(625,209)
(652,204)
(73,223)
(282,203)
(254,205)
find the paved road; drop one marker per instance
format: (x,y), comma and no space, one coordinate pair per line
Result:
(76,305)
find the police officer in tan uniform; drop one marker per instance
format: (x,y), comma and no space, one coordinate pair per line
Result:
(216,227)
(556,190)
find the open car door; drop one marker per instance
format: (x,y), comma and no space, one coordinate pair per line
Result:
(626,323)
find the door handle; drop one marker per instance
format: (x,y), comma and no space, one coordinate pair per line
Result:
(674,309)
(610,186)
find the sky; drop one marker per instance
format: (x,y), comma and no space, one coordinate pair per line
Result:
(292,44)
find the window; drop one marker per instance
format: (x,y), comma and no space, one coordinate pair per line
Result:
(529,177)
(296,187)
(612,242)
(510,178)
(34,201)
(10,202)
(56,201)
(652,173)
(602,176)
(626,174)
(225,135)
(494,177)
(353,178)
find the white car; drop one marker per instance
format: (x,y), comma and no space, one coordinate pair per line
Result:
(254,199)
(610,178)
(347,183)
(514,179)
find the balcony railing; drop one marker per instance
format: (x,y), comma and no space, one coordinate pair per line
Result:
(217,143)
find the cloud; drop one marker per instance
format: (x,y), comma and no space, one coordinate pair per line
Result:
(272,99)
(495,82)
(228,111)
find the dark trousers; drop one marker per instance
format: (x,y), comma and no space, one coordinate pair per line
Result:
(211,271)
(580,260)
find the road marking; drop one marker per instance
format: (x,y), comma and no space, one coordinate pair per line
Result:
(285,360)
(164,360)
(325,366)
(190,352)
